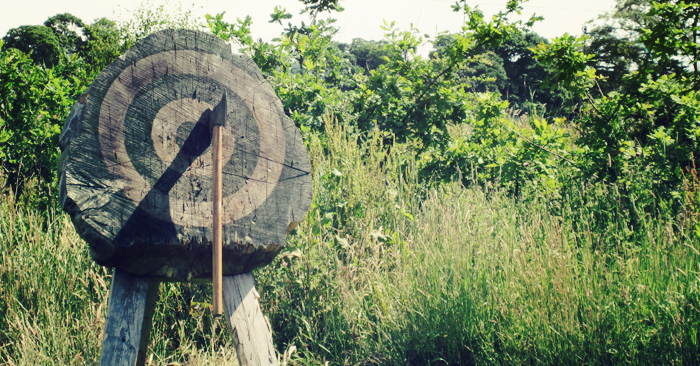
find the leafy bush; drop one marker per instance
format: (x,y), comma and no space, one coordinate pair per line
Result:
(504,150)
(652,117)
(36,102)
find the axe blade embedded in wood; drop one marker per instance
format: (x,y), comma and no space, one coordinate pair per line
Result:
(217,117)
(217,120)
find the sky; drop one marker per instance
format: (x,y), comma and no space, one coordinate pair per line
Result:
(361,18)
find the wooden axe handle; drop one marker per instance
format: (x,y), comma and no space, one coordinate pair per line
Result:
(217,246)
(216,122)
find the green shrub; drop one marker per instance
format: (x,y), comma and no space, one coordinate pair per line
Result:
(36,102)
(504,151)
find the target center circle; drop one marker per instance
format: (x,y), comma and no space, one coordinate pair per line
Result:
(182,119)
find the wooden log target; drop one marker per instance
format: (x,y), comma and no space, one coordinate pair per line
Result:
(136,161)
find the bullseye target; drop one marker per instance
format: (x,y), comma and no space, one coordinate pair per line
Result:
(136,164)
(167,94)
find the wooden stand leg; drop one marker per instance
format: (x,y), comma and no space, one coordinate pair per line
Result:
(250,330)
(129,315)
(151,299)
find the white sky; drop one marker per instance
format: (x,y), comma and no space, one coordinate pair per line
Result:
(361,18)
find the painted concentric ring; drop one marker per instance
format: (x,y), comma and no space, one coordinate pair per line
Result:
(141,119)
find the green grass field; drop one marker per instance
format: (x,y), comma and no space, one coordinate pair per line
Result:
(389,270)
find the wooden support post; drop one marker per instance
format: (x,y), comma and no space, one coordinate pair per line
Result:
(151,299)
(129,315)
(251,332)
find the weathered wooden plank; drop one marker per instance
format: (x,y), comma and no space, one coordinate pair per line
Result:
(151,299)
(127,327)
(251,331)
(135,166)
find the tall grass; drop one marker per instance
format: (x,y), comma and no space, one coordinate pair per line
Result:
(468,277)
(53,299)
(492,282)
(388,270)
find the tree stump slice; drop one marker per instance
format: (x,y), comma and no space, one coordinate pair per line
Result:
(135,166)
(251,332)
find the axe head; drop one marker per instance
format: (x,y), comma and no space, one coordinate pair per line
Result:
(218,114)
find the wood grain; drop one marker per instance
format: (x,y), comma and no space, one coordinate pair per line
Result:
(251,331)
(135,167)
(127,327)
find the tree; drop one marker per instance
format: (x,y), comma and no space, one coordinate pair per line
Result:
(35,102)
(658,36)
(614,44)
(150,18)
(510,70)
(369,55)
(64,27)
(525,77)
(651,120)
(37,40)
(673,41)
(483,73)
(104,42)
(43,69)
(416,99)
